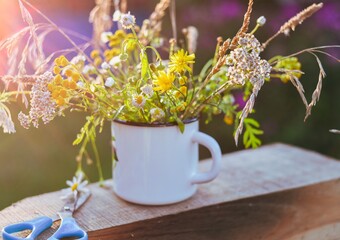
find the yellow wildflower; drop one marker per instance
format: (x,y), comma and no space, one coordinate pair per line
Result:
(183,80)
(179,62)
(183,90)
(164,81)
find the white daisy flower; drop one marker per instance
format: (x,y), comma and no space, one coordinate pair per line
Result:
(76,186)
(138,101)
(127,20)
(109,82)
(147,89)
(157,113)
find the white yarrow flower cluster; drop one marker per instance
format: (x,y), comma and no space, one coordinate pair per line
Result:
(42,105)
(76,186)
(245,62)
(6,122)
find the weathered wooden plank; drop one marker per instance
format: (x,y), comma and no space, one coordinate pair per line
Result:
(274,192)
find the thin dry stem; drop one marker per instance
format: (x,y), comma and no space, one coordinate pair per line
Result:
(173,19)
(191,34)
(123,6)
(245,25)
(292,23)
(100,19)
(317,91)
(38,49)
(152,27)
(80,51)
(26,79)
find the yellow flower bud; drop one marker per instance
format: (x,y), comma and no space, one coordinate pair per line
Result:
(68,72)
(98,61)
(228,119)
(63,61)
(66,84)
(75,76)
(50,87)
(58,79)
(72,85)
(55,94)
(94,54)
(57,61)
(60,101)
(56,70)
(63,93)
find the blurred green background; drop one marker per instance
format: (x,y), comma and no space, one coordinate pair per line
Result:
(40,160)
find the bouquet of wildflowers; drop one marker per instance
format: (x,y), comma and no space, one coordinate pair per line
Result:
(134,74)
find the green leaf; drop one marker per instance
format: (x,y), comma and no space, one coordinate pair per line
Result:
(250,138)
(180,124)
(252,121)
(144,63)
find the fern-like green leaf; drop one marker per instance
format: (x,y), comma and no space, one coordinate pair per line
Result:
(250,136)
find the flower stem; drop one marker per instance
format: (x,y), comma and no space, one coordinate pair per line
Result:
(99,166)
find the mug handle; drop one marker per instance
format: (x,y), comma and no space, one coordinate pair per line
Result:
(216,156)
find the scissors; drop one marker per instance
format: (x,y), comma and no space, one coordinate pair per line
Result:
(68,226)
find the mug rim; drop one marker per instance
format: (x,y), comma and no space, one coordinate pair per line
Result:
(154,125)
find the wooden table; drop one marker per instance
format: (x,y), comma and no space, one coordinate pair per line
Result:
(273,192)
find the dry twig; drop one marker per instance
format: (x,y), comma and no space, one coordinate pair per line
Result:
(245,25)
(294,21)
(100,19)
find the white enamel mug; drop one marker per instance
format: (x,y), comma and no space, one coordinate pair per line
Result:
(157,164)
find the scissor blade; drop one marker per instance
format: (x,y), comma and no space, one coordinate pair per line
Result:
(82,199)
(72,206)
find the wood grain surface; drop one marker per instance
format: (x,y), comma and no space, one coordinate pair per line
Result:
(273,192)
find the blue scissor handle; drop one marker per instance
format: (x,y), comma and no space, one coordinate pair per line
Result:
(37,225)
(69,228)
